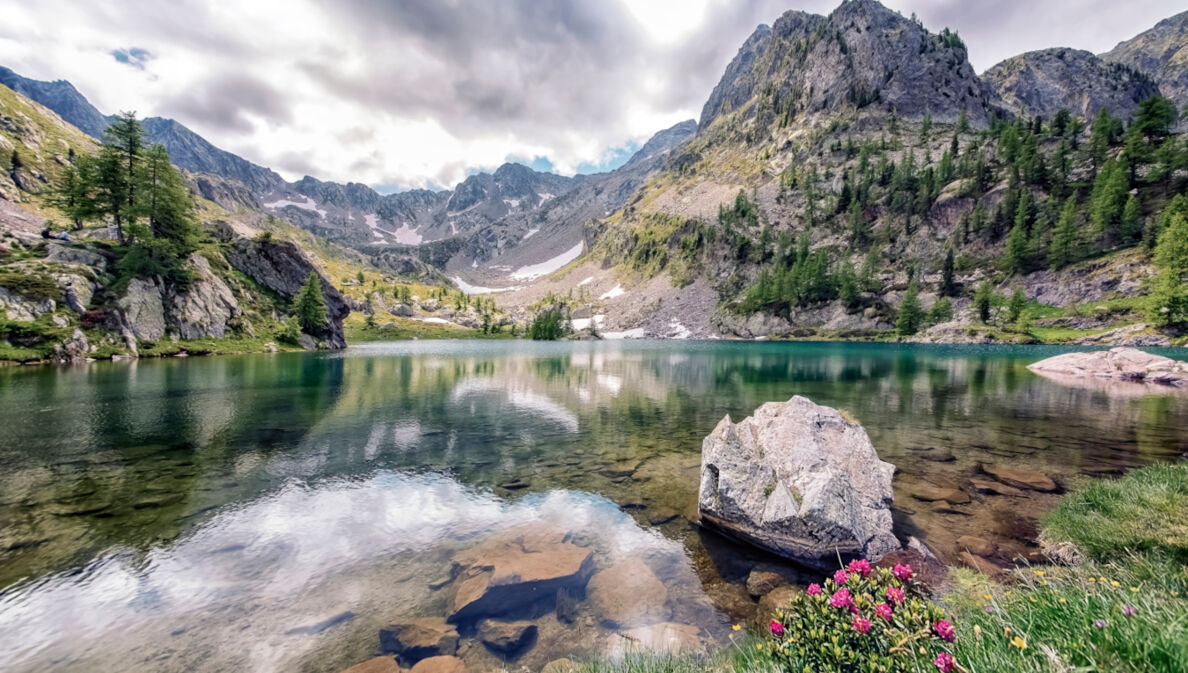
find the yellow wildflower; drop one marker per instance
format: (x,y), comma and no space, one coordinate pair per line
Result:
(977,630)
(1134,589)
(987,597)
(1038,573)
(1092,579)
(1101,579)
(758,646)
(737,627)
(1115,583)
(1063,600)
(1019,643)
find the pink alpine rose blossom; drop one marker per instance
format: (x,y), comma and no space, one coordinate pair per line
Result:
(902,571)
(884,611)
(841,599)
(814,589)
(895,595)
(840,577)
(944,661)
(860,566)
(777,629)
(945,630)
(861,625)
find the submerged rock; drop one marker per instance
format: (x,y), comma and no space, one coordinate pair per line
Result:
(798,479)
(1021,478)
(506,638)
(1126,364)
(628,594)
(516,570)
(419,638)
(440,665)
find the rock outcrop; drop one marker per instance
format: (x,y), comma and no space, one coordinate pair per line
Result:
(860,55)
(206,306)
(800,480)
(1125,364)
(1046,81)
(419,638)
(282,267)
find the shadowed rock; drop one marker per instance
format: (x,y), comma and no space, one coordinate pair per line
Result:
(419,638)
(799,480)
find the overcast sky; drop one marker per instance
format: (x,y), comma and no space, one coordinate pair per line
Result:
(420,93)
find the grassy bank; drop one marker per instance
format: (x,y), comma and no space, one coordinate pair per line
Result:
(1114,599)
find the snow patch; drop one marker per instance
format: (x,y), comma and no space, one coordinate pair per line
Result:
(616,291)
(306,204)
(587,281)
(435,321)
(478,289)
(637,333)
(529,234)
(584,323)
(407,235)
(512,203)
(548,266)
(677,331)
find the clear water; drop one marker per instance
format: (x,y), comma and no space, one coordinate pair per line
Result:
(272,512)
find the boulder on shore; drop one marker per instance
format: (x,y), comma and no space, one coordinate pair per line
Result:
(1125,364)
(800,480)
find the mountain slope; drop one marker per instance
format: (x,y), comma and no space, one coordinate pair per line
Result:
(1161,52)
(1046,81)
(187,149)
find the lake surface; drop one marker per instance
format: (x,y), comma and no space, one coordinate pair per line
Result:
(273,512)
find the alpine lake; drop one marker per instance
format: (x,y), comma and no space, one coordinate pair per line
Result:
(274,512)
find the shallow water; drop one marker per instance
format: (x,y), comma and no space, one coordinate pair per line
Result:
(273,512)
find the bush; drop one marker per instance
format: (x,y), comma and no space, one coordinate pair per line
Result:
(863,620)
(33,286)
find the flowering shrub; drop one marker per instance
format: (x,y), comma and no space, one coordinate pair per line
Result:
(863,620)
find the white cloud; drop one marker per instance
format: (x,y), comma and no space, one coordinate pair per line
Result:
(421,92)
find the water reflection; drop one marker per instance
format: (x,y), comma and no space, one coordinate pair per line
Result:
(188,513)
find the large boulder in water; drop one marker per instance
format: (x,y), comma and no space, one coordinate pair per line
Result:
(800,480)
(1125,364)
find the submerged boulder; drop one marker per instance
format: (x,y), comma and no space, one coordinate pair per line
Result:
(419,638)
(800,480)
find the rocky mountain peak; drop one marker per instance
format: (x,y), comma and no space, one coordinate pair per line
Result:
(863,54)
(1161,52)
(1044,82)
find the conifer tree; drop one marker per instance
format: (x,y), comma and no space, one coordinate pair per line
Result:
(310,307)
(907,321)
(948,284)
(1062,250)
(1168,303)
(984,300)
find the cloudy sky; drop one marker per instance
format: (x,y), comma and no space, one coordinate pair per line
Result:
(419,93)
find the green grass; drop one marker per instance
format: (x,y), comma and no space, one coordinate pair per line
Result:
(1146,511)
(1060,335)
(407,328)
(234,345)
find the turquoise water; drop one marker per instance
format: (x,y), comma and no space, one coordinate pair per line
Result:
(272,512)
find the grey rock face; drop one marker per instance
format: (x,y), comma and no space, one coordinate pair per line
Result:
(206,306)
(143,309)
(799,480)
(18,307)
(282,267)
(1161,52)
(1046,81)
(862,54)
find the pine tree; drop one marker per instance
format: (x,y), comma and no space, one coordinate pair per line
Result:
(983,301)
(310,307)
(1016,249)
(1168,303)
(1130,227)
(1016,306)
(1155,226)
(910,316)
(1099,138)
(1108,200)
(1062,250)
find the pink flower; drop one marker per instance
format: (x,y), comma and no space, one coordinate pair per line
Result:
(945,630)
(840,577)
(883,610)
(853,609)
(841,599)
(944,661)
(862,625)
(777,629)
(814,589)
(902,571)
(895,595)
(1129,610)
(860,566)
